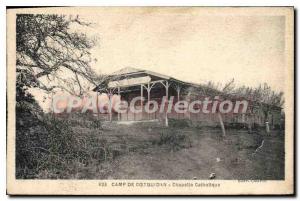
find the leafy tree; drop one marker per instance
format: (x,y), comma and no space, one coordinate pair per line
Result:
(49,48)
(262,97)
(50,55)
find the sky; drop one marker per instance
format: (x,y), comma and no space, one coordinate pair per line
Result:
(191,45)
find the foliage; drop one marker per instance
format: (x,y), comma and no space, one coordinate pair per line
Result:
(48,146)
(49,48)
(263,93)
(173,140)
(179,123)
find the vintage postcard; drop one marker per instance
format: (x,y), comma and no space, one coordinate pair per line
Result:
(150,101)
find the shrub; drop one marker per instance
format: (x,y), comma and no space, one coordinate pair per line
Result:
(236,125)
(179,123)
(46,147)
(173,140)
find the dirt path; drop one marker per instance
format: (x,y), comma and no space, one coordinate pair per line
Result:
(229,158)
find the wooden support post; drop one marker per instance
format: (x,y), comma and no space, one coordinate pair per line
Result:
(222,124)
(178,97)
(148,90)
(167,97)
(267,127)
(189,100)
(142,95)
(119,103)
(97,100)
(110,105)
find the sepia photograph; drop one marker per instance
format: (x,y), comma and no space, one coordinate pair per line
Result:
(150,101)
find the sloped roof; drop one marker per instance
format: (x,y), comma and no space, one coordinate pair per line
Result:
(127,70)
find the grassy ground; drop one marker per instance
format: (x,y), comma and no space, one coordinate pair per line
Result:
(151,151)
